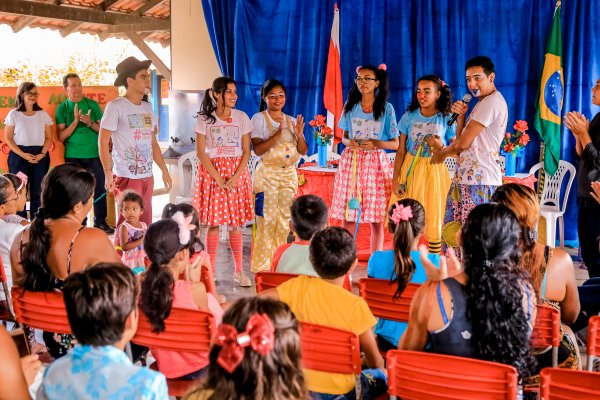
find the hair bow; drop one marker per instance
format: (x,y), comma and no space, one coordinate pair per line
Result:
(259,335)
(401,213)
(358,68)
(442,82)
(383,67)
(185,227)
(23,180)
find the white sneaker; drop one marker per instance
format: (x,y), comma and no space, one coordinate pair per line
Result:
(241,279)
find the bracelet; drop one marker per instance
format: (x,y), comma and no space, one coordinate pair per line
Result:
(90,125)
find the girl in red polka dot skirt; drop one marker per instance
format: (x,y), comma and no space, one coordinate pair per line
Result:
(223,192)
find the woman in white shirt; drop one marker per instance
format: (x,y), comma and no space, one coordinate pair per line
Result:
(27,134)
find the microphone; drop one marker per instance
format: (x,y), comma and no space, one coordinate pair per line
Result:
(466,99)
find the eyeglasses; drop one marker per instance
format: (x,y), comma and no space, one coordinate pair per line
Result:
(34,94)
(366,79)
(426,91)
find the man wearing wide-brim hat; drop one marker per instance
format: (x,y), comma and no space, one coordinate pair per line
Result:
(131,125)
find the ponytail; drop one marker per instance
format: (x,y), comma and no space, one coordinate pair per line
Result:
(209,103)
(406,227)
(33,256)
(156,299)
(161,244)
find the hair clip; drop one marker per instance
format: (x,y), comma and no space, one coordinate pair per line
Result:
(401,213)
(358,68)
(383,67)
(259,335)
(185,227)
(442,82)
(488,263)
(533,235)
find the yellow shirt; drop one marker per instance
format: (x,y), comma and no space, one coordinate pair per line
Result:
(319,302)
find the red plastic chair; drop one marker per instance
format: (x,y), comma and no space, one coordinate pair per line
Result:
(185,331)
(379,295)
(41,310)
(593,343)
(546,331)
(267,280)
(562,384)
(6,313)
(427,376)
(331,350)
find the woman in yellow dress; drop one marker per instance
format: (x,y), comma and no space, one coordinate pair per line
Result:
(279,140)
(422,127)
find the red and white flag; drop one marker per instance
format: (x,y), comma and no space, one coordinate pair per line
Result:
(332,93)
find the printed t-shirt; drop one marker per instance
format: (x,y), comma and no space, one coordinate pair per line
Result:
(479,164)
(83,142)
(316,301)
(224,139)
(362,126)
(382,266)
(30,130)
(415,126)
(133,127)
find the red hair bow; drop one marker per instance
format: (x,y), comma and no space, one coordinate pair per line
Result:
(259,335)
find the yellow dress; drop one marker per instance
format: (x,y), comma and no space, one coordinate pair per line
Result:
(428,184)
(275,186)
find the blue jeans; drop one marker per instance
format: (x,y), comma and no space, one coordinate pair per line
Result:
(35,173)
(373,383)
(95,167)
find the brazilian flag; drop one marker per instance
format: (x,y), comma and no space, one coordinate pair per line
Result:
(550,97)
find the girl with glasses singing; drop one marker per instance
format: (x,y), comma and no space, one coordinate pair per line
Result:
(364,181)
(27,134)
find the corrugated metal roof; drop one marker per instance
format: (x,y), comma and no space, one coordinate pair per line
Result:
(160,12)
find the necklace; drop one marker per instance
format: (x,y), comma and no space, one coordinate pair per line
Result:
(225,118)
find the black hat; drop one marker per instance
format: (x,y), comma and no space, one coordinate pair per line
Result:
(130,64)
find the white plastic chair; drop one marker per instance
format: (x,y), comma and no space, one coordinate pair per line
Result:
(550,203)
(450,163)
(187,176)
(253,163)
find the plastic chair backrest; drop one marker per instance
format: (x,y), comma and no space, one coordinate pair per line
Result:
(187,180)
(253,163)
(268,280)
(9,314)
(553,183)
(559,383)
(428,376)
(379,295)
(206,277)
(546,331)
(41,310)
(330,350)
(185,331)
(593,342)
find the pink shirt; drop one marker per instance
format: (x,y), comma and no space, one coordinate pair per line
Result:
(174,364)
(224,138)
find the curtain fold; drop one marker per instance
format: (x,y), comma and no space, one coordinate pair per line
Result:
(259,39)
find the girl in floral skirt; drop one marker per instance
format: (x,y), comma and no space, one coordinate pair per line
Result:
(223,191)
(364,180)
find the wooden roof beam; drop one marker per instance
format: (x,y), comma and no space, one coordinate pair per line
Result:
(21,23)
(156,25)
(148,52)
(73,14)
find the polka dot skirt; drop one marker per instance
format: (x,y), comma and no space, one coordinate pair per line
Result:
(218,206)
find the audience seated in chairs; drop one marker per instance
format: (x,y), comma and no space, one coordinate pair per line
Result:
(552,274)
(400,265)
(167,244)
(56,243)
(101,304)
(487,311)
(323,300)
(256,355)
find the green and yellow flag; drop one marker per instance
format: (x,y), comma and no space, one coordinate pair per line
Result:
(550,97)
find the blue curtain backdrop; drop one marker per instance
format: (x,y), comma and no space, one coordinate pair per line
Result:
(259,39)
